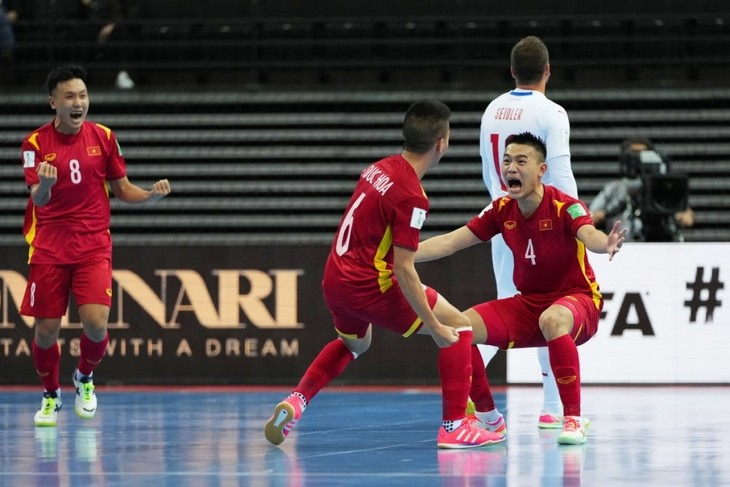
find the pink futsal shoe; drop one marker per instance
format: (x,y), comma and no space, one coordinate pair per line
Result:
(285,417)
(549,421)
(467,435)
(575,431)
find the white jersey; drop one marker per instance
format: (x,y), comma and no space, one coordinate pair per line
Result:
(526,111)
(515,112)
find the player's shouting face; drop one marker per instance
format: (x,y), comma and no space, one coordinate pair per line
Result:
(70,100)
(522,169)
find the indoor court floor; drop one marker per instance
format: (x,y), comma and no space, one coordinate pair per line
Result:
(640,436)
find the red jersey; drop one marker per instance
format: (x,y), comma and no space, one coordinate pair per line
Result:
(74,224)
(387,208)
(549,258)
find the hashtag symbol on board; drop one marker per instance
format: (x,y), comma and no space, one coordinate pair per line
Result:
(704,294)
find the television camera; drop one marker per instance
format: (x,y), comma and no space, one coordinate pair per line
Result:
(660,196)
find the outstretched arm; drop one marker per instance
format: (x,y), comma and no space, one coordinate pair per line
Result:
(445,244)
(125,191)
(599,242)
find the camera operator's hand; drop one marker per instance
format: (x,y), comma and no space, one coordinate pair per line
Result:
(599,216)
(686,218)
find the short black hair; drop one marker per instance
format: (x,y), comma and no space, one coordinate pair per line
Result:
(64,73)
(527,138)
(424,124)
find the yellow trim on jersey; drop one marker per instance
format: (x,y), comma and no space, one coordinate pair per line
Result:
(31,235)
(107,130)
(581,255)
(32,140)
(582,261)
(413,327)
(384,280)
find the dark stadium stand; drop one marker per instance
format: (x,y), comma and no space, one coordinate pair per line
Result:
(277,43)
(255,167)
(262,113)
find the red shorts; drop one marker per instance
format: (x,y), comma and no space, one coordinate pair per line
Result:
(47,291)
(515,322)
(391,311)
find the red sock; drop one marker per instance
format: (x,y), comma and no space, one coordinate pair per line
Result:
(46,362)
(480,392)
(331,361)
(91,353)
(454,364)
(566,368)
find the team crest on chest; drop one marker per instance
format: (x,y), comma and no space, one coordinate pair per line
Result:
(510,225)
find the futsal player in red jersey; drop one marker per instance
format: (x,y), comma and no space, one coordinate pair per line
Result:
(370,280)
(549,233)
(69,165)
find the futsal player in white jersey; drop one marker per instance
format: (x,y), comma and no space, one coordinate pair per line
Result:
(526,109)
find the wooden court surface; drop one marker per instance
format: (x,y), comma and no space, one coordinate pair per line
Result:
(640,436)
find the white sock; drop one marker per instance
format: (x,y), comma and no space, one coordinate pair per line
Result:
(489,416)
(301,397)
(450,426)
(550,395)
(488,352)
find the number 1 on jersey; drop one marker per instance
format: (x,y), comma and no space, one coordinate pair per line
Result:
(494,140)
